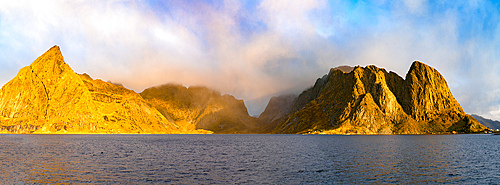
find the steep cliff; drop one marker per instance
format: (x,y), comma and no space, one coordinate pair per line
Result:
(370,100)
(49,97)
(200,108)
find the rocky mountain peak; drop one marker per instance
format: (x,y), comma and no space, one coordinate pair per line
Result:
(427,93)
(51,62)
(370,100)
(48,97)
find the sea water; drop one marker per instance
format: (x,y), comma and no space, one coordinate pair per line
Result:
(249,159)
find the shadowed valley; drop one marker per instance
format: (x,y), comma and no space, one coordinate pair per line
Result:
(200,108)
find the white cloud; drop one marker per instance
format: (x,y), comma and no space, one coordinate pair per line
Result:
(416,6)
(124,41)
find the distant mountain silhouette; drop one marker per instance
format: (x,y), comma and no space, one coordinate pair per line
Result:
(492,124)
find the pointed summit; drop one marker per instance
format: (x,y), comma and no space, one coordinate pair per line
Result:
(370,100)
(417,65)
(50,63)
(427,93)
(48,97)
(54,49)
(44,91)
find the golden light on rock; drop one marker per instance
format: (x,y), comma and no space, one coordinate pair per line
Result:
(370,100)
(48,97)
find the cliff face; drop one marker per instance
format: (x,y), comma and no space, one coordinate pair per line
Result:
(371,100)
(49,97)
(313,92)
(428,99)
(200,108)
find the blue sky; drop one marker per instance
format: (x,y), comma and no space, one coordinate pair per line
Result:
(258,49)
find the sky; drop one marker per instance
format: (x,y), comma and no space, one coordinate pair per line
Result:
(254,50)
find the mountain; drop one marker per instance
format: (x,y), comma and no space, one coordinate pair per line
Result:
(49,97)
(200,108)
(276,109)
(370,100)
(492,124)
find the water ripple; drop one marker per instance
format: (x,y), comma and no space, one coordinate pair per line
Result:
(249,159)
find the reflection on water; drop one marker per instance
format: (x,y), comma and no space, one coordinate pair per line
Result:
(223,159)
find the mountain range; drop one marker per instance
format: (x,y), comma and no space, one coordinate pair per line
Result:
(48,97)
(492,124)
(370,100)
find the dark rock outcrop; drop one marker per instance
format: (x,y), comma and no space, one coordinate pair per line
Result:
(277,107)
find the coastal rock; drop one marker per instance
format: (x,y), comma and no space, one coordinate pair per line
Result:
(49,97)
(370,100)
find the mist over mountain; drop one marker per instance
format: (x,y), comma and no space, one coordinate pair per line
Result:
(259,44)
(200,108)
(49,97)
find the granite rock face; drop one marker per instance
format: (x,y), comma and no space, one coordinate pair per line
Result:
(49,97)
(370,100)
(200,108)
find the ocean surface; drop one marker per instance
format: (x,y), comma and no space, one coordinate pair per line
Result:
(250,159)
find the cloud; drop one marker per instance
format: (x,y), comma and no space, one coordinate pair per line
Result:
(257,49)
(416,6)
